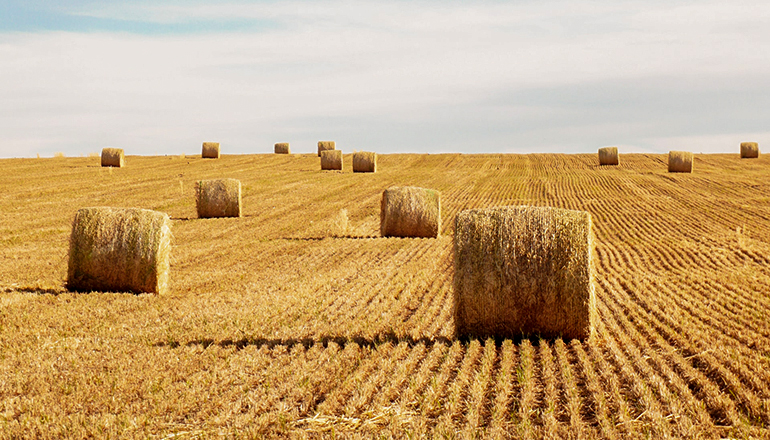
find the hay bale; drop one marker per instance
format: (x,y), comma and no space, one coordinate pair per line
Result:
(364,162)
(210,150)
(331,160)
(282,148)
(749,150)
(410,211)
(113,157)
(679,162)
(119,249)
(608,156)
(218,198)
(523,271)
(325,146)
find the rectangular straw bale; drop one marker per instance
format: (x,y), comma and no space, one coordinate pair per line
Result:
(210,150)
(364,162)
(282,148)
(218,198)
(119,250)
(113,157)
(331,160)
(523,271)
(326,145)
(410,211)
(608,156)
(749,150)
(679,162)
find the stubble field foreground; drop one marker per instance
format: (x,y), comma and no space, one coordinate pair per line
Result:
(299,320)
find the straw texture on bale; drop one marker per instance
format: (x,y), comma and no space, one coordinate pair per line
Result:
(523,271)
(364,162)
(410,211)
(679,162)
(608,156)
(210,150)
(331,160)
(326,145)
(282,148)
(749,150)
(119,250)
(218,198)
(113,157)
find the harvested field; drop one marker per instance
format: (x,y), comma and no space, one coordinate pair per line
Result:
(272,326)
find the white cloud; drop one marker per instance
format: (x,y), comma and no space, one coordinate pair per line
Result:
(393,76)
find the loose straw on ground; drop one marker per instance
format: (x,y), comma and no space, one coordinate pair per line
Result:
(410,212)
(523,271)
(119,250)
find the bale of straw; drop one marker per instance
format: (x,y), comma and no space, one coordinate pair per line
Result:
(608,156)
(679,162)
(523,271)
(282,148)
(210,150)
(364,162)
(326,145)
(331,160)
(749,150)
(119,249)
(410,211)
(218,198)
(113,157)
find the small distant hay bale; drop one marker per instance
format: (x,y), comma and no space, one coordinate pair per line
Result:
(331,160)
(608,156)
(749,150)
(119,250)
(113,157)
(218,198)
(410,211)
(325,146)
(210,150)
(523,271)
(679,162)
(364,162)
(282,148)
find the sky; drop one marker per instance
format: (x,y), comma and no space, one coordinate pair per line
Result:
(163,76)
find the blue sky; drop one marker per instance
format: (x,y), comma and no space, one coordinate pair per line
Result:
(160,77)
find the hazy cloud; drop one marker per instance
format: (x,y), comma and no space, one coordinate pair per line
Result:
(404,76)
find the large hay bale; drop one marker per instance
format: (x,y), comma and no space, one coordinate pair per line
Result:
(410,211)
(523,271)
(218,198)
(749,150)
(608,156)
(210,150)
(364,162)
(119,249)
(113,157)
(679,162)
(325,146)
(282,148)
(331,160)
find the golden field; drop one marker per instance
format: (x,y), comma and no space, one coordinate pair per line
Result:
(299,320)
